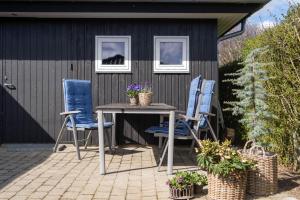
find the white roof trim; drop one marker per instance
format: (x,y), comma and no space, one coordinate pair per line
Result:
(161,1)
(120,15)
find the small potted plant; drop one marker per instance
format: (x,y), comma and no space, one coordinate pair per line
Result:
(199,181)
(145,95)
(133,91)
(181,186)
(227,170)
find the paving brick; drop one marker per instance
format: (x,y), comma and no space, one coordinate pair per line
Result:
(38,195)
(84,197)
(18,197)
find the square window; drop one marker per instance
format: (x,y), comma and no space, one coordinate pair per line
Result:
(171,54)
(113,54)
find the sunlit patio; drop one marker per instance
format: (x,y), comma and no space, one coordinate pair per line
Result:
(34,172)
(27,173)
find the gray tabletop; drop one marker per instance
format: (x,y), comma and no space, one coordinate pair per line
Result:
(125,106)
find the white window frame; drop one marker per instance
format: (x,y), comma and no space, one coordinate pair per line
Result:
(102,68)
(184,67)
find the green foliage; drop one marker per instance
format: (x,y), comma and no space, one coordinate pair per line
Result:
(251,94)
(199,179)
(221,159)
(283,86)
(183,179)
(226,94)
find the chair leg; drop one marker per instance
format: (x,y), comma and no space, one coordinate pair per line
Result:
(163,155)
(211,129)
(192,147)
(163,146)
(75,137)
(87,139)
(59,136)
(76,143)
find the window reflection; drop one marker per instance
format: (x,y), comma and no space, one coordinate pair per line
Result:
(113,53)
(171,53)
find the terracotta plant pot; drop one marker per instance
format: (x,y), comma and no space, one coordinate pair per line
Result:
(186,193)
(145,99)
(133,101)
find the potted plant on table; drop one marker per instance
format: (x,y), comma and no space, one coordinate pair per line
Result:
(145,95)
(133,91)
(227,170)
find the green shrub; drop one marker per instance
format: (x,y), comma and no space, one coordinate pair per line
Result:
(283,87)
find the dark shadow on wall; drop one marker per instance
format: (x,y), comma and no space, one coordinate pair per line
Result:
(17,125)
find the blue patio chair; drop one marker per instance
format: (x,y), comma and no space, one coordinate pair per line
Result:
(190,112)
(78,112)
(189,126)
(194,92)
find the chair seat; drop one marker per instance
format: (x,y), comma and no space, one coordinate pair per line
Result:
(90,125)
(165,130)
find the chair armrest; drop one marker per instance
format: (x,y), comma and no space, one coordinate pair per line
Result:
(70,112)
(209,114)
(187,118)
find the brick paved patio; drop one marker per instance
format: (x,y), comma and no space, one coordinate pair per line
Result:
(132,174)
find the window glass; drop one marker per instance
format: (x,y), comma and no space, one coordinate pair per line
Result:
(171,53)
(113,53)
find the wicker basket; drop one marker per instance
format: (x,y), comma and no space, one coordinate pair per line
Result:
(227,188)
(263,180)
(145,98)
(186,193)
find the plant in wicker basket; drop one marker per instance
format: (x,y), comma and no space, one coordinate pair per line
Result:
(145,96)
(263,180)
(182,185)
(253,108)
(226,170)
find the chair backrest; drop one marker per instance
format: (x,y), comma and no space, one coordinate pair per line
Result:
(78,97)
(205,102)
(193,96)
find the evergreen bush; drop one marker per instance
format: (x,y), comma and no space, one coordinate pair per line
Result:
(283,85)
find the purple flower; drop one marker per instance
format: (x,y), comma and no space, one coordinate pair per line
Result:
(133,90)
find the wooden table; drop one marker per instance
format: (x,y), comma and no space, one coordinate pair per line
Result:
(155,108)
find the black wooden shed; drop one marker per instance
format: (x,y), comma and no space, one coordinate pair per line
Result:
(42,42)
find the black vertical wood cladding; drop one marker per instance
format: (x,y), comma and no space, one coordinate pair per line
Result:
(37,54)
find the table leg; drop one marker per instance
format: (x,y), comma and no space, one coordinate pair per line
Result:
(113,130)
(101,142)
(171,142)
